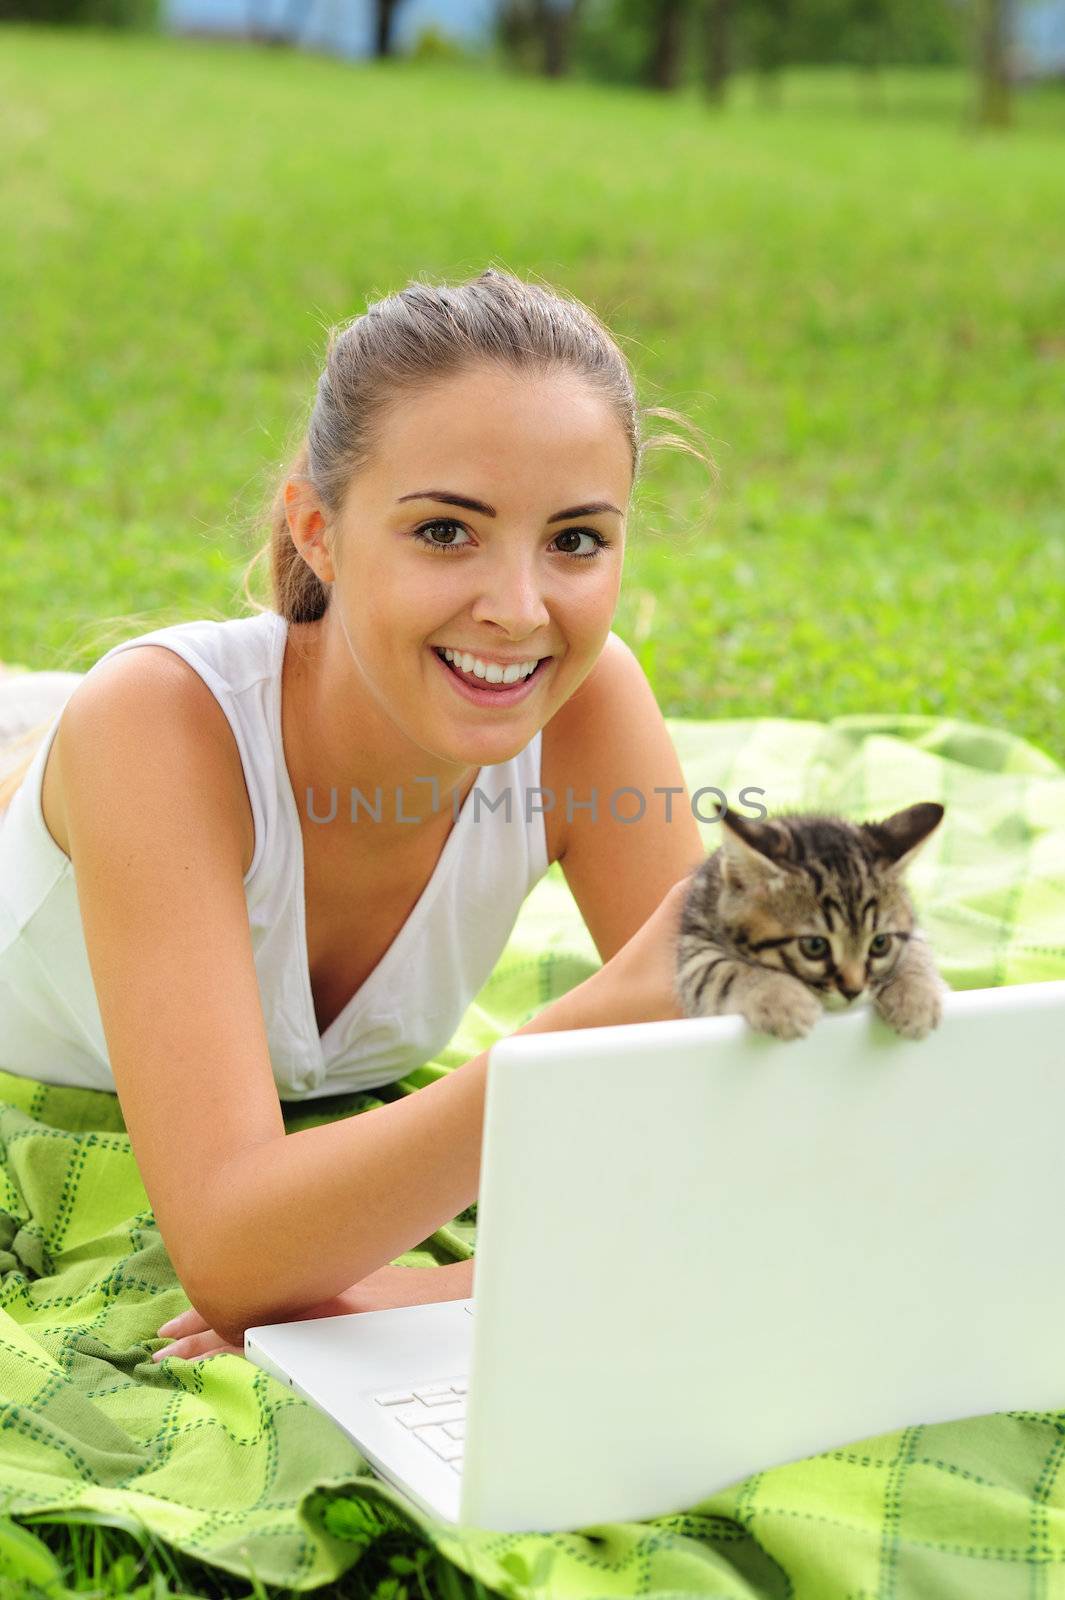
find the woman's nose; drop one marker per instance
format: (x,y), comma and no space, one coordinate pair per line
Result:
(515,603)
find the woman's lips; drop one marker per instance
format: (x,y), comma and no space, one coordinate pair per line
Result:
(498,696)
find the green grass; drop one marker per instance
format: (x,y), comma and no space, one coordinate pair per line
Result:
(53,1558)
(863,305)
(861,302)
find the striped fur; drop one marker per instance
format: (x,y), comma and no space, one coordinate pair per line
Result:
(757,906)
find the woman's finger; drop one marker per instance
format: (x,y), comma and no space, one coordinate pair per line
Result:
(185,1322)
(197,1346)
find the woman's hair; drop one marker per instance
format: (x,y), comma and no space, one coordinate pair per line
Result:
(423,333)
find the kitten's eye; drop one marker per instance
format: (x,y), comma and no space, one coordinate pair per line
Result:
(880,945)
(814,946)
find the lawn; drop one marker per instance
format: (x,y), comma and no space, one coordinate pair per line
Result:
(860,302)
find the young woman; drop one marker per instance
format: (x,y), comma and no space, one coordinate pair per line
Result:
(247,863)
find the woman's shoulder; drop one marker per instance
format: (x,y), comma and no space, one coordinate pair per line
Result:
(153,693)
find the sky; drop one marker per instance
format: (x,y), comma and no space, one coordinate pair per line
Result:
(339,24)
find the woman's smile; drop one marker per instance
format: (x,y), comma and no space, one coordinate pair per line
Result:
(481,693)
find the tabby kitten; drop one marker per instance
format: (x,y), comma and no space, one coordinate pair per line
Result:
(804,911)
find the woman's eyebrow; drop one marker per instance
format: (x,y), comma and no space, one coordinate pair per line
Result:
(590,510)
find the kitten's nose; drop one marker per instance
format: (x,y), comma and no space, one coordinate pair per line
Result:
(848,994)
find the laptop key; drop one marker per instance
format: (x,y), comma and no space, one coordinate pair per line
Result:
(457,1430)
(417,1414)
(436,1394)
(395,1397)
(438,1440)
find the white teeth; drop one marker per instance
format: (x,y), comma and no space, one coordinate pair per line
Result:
(490,672)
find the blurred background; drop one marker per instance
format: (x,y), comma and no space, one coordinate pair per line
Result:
(830,232)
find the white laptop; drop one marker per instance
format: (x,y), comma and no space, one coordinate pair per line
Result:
(702,1251)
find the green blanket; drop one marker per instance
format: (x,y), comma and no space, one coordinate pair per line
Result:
(220,1460)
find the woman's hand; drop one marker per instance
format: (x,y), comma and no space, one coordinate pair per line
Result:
(637,983)
(379,1291)
(192,1339)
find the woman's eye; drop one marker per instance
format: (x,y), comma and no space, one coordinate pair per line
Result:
(880,944)
(814,946)
(584,533)
(424,535)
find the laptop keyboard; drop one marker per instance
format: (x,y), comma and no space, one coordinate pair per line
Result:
(435,1413)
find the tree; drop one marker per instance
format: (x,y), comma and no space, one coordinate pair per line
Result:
(667,47)
(769,27)
(868,25)
(716,18)
(538,34)
(554,21)
(384,20)
(993,32)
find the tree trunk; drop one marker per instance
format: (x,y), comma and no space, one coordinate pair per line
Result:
(383,37)
(772,46)
(554,21)
(993,99)
(518,33)
(663,71)
(717,46)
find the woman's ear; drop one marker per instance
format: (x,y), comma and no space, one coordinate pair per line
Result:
(309,527)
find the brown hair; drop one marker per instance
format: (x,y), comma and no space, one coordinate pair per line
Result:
(422,333)
(418,335)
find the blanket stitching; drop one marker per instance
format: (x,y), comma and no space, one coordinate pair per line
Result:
(889,1542)
(1039,1549)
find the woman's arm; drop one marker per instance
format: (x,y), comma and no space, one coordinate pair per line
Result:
(636,985)
(260,1224)
(192,1337)
(305,1218)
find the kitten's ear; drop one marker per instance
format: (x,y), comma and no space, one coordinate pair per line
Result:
(899,837)
(753,852)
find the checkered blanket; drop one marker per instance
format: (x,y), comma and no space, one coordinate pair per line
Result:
(224,1462)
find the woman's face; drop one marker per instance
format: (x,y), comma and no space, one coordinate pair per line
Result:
(505,577)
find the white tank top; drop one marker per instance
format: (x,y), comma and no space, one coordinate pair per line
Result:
(413,1000)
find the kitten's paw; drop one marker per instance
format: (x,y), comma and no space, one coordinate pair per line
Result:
(913,1009)
(781,1006)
